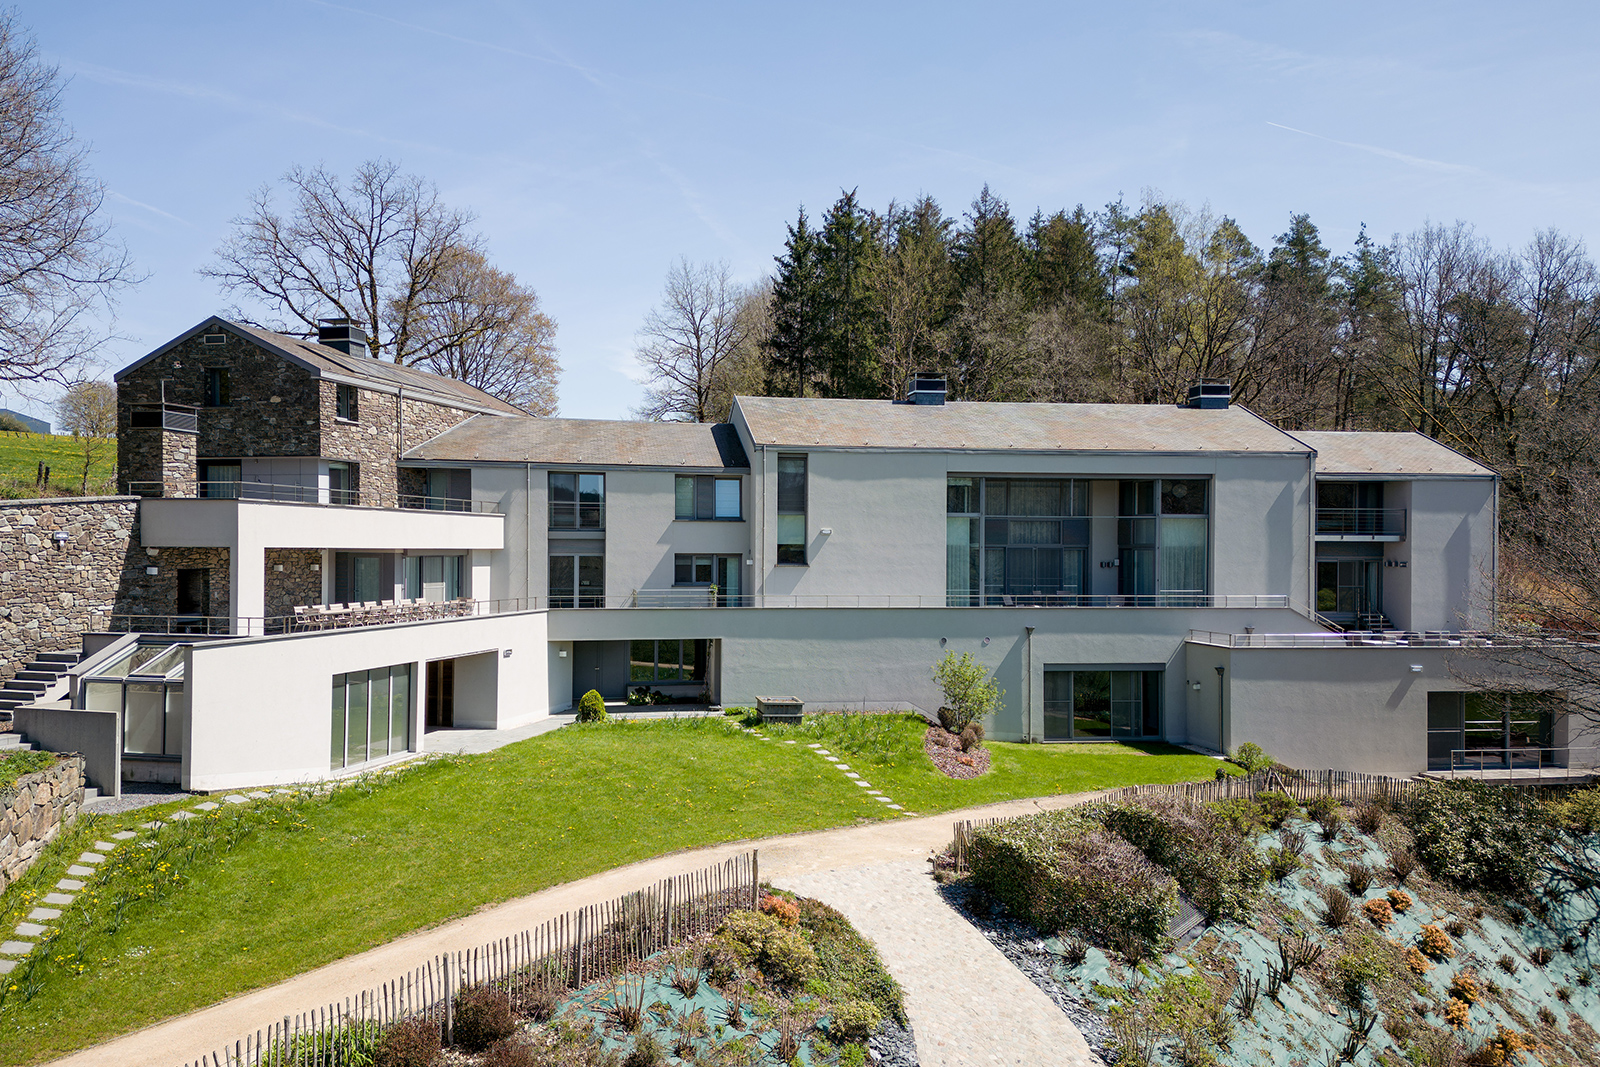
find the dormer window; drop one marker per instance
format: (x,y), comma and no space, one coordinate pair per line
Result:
(347,403)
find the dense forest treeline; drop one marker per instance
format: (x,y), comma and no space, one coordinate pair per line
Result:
(1492,351)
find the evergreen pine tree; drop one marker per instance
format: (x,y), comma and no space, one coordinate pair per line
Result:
(850,254)
(799,315)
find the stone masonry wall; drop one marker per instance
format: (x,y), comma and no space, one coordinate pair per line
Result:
(33,812)
(51,592)
(298,583)
(378,437)
(157,594)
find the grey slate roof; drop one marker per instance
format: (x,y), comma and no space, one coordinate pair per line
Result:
(586,442)
(1371,452)
(815,423)
(324,361)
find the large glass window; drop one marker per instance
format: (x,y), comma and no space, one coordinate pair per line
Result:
(1492,730)
(145,684)
(371,715)
(363,578)
(434,578)
(1349,587)
(577,581)
(1016,540)
(702,496)
(1101,705)
(577,501)
(669,661)
(1162,539)
(792,509)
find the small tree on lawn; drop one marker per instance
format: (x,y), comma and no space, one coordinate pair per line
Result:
(88,411)
(969,691)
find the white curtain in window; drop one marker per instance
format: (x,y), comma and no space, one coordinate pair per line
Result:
(961,571)
(1183,555)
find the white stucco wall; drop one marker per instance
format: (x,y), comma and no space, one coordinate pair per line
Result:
(260,706)
(1451,537)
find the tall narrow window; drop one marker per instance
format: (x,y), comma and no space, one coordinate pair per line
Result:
(792,509)
(347,402)
(1162,539)
(218,387)
(963,542)
(577,501)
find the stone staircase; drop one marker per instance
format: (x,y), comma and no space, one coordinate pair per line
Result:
(34,680)
(13,742)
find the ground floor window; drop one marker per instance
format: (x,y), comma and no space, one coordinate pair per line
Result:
(371,715)
(577,581)
(1101,705)
(669,661)
(1480,730)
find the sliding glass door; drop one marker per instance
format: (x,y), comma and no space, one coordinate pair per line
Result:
(577,581)
(1101,705)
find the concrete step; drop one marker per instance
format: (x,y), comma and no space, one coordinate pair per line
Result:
(90,793)
(69,658)
(27,674)
(27,685)
(11,742)
(55,670)
(11,698)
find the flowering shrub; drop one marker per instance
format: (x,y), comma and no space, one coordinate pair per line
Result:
(1060,871)
(1399,899)
(1379,911)
(1435,943)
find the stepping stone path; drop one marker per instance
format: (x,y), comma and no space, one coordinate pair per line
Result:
(67,889)
(875,794)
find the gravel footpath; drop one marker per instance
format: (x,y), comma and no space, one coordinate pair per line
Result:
(968,1004)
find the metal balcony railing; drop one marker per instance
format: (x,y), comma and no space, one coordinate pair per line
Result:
(566,515)
(1362,522)
(423,502)
(180,417)
(1525,762)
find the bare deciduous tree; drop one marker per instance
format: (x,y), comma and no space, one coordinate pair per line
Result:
(688,339)
(88,411)
(479,326)
(368,252)
(57,264)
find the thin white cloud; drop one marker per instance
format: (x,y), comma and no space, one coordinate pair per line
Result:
(121,199)
(1388,153)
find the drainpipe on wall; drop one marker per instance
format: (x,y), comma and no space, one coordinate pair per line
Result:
(1027,685)
(1222,710)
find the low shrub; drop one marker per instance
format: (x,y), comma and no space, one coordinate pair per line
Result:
(1464,987)
(1435,943)
(1480,836)
(971,737)
(482,1017)
(1252,757)
(592,707)
(646,1052)
(1399,900)
(412,1043)
(1281,862)
(1276,808)
(1369,817)
(1579,811)
(854,1021)
(1358,877)
(1219,868)
(1418,963)
(1456,1012)
(785,911)
(782,954)
(1061,871)
(848,967)
(509,1052)
(1358,970)
(1402,865)
(1380,911)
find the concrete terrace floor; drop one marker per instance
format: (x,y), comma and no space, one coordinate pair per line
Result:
(968,1005)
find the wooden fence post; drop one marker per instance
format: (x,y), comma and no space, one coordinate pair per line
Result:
(755,879)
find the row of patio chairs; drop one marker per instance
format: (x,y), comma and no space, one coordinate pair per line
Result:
(377,612)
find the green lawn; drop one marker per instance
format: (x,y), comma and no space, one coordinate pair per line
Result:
(887,750)
(367,864)
(21,454)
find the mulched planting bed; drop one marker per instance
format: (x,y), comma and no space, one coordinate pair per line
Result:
(944,749)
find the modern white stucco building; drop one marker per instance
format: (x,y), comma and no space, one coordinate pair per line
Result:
(1189,574)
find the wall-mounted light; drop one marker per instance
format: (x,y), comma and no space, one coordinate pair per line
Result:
(1416,668)
(278,567)
(152,552)
(943,641)
(316,566)
(61,537)
(1195,686)
(506,654)
(152,571)
(826,531)
(562,653)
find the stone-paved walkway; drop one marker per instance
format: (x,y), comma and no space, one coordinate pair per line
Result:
(875,794)
(968,1004)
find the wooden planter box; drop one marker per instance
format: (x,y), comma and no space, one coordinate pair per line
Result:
(779,709)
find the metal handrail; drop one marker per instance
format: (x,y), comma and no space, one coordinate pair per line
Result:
(424,502)
(569,515)
(1393,638)
(700,597)
(1375,522)
(293,493)
(316,617)
(1560,760)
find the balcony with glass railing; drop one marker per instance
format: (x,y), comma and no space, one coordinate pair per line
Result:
(577,515)
(1361,524)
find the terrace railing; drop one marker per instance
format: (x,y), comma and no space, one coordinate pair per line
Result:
(567,515)
(1362,522)
(1525,762)
(563,954)
(309,618)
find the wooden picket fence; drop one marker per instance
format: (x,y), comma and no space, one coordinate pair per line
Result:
(1349,787)
(565,953)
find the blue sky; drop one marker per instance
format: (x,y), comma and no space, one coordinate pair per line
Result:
(599,142)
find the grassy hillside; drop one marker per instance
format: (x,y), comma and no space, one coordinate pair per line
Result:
(21,454)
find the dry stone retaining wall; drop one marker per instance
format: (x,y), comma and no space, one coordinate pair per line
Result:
(300,581)
(52,591)
(33,811)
